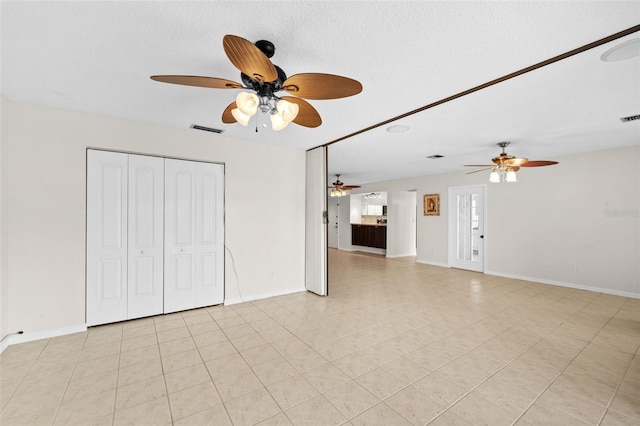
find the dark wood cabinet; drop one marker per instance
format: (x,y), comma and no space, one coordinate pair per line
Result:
(369,236)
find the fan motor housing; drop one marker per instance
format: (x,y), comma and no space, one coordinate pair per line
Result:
(266,47)
(265,88)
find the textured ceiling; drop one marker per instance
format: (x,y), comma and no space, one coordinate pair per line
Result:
(97,57)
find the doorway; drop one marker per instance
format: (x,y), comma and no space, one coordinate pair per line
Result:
(466,227)
(333,208)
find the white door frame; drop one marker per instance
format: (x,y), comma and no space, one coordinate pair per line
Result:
(452,220)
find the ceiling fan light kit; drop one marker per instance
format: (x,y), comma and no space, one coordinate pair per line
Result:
(335,192)
(339,189)
(498,176)
(505,166)
(264,80)
(247,104)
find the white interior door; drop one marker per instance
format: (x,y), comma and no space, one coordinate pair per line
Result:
(107,187)
(179,237)
(209,234)
(466,227)
(194,239)
(145,236)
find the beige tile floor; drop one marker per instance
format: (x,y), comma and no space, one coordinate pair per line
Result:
(395,343)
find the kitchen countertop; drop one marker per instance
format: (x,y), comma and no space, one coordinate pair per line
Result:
(370,224)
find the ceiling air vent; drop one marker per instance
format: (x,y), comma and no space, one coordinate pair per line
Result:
(630,118)
(206,129)
(436,156)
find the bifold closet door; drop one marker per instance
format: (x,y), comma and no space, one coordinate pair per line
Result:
(107,187)
(194,235)
(145,236)
(124,236)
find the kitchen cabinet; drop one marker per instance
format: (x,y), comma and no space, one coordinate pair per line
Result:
(369,236)
(372,210)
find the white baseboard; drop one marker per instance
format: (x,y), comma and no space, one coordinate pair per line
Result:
(400,255)
(425,262)
(371,250)
(27,336)
(4,344)
(568,285)
(236,300)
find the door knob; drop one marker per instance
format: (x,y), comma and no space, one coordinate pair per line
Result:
(481,236)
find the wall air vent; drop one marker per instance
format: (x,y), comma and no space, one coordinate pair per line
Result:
(630,118)
(206,129)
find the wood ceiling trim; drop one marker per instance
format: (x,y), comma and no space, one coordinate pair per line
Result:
(549,61)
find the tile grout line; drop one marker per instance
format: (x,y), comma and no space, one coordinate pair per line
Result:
(115,393)
(526,349)
(164,375)
(565,368)
(33,363)
(615,393)
(283,411)
(208,372)
(70,377)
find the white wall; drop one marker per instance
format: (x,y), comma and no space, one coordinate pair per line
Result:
(350,211)
(4,287)
(401,223)
(574,224)
(43,209)
(355,208)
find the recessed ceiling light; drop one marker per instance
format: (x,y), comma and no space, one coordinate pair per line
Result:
(397,128)
(627,50)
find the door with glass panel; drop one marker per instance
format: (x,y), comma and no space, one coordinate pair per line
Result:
(466,228)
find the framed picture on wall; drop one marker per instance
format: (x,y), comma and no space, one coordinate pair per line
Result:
(432,205)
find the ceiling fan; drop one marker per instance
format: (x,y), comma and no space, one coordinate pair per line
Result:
(263,80)
(506,165)
(339,189)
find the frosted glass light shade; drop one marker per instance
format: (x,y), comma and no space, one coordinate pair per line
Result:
(240,117)
(288,109)
(494,177)
(511,176)
(247,103)
(287,112)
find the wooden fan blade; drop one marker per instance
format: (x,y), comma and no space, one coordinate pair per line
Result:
(538,163)
(245,56)
(348,187)
(321,86)
(227,117)
(516,162)
(481,170)
(478,165)
(307,115)
(192,80)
